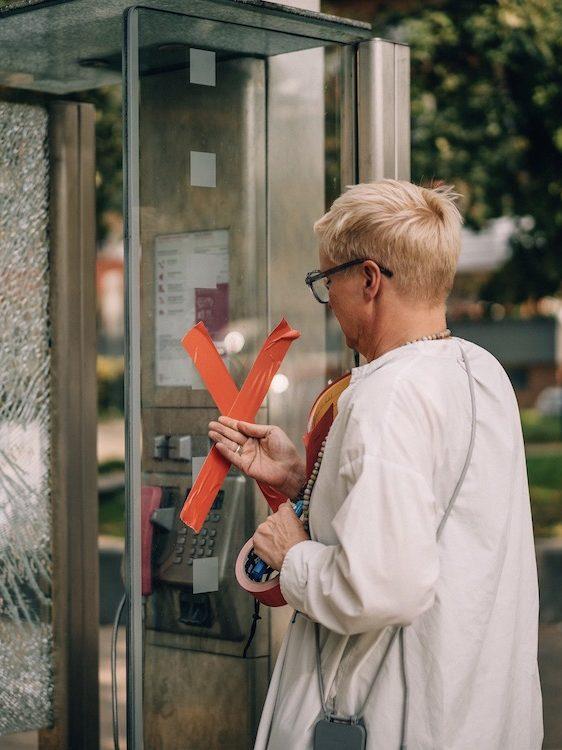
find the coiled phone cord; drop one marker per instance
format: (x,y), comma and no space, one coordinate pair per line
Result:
(114,702)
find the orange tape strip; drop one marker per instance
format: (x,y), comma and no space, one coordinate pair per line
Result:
(199,345)
(243,406)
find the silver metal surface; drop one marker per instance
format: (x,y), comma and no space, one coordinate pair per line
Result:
(76,45)
(402,142)
(74,465)
(348,117)
(132,381)
(383,86)
(271,185)
(296,199)
(180,448)
(227,120)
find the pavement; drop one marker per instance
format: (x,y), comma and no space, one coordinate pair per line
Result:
(106,724)
(111,440)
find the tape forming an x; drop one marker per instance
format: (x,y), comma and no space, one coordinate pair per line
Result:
(240,404)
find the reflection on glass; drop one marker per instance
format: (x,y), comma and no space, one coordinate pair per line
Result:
(234,169)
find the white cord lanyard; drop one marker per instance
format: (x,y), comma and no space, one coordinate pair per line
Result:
(398,630)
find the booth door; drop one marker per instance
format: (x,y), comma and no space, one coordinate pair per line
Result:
(238,139)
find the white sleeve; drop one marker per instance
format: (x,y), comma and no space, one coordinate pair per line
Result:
(384,569)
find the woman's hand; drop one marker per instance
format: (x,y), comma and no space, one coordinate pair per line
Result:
(277,534)
(266,453)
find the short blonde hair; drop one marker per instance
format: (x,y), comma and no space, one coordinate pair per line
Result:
(414,231)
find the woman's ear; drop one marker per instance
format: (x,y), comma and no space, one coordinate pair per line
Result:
(371,279)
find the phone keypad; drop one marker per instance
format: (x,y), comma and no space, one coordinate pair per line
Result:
(202,544)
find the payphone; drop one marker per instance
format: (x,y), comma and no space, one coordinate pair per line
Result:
(185,600)
(239,136)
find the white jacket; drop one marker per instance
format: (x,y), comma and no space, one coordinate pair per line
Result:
(393,457)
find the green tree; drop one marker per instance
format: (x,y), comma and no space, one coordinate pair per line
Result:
(487,117)
(109,159)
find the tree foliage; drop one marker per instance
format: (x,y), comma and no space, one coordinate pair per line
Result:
(109,158)
(487,117)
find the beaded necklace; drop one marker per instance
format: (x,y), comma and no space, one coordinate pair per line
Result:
(306,491)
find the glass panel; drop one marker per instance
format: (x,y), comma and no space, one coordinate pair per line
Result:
(234,149)
(25,526)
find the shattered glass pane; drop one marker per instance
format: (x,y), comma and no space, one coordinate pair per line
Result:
(26,672)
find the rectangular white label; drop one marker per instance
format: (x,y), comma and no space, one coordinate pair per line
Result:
(203,169)
(202,67)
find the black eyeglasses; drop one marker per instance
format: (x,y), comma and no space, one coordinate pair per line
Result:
(318,287)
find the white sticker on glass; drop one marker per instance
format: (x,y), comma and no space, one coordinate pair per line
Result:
(203,169)
(202,67)
(205,575)
(196,466)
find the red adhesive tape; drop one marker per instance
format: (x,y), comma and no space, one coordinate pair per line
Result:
(320,420)
(242,405)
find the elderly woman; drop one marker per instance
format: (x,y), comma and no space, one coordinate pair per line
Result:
(417,586)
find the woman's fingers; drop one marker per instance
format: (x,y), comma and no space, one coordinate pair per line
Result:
(218,438)
(246,428)
(228,432)
(231,454)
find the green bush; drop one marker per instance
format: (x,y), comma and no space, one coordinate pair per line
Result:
(108,467)
(546,505)
(545,487)
(538,428)
(110,376)
(545,470)
(111,517)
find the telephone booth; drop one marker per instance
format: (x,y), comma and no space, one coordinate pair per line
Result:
(243,121)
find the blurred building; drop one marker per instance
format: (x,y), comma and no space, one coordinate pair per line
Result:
(529,350)
(110,290)
(488,249)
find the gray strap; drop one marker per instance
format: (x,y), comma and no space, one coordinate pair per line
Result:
(319,671)
(470,447)
(399,630)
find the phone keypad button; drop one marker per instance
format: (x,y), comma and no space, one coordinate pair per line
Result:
(177,559)
(212,532)
(215,517)
(209,552)
(200,553)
